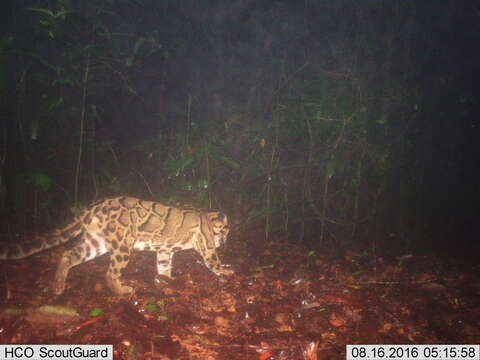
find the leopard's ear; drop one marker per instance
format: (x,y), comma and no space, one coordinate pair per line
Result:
(217,215)
(214,214)
(223,217)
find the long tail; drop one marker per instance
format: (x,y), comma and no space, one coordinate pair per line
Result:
(39,243)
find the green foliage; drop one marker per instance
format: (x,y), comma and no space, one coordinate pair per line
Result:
(306,139)
(61,14)
(196,170)
(158,307)
(97,312)
(39,181)
(152,308)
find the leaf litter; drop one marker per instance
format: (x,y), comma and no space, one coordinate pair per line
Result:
(284,302)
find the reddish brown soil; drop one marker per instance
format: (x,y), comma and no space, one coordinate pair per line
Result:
(283,303)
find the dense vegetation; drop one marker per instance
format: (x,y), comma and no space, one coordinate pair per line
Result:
(316,121)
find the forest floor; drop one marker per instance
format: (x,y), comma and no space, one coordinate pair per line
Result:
(284,302)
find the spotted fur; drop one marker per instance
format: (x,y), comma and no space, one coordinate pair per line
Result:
(120,225)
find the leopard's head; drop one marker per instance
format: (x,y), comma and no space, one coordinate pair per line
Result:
(219,227)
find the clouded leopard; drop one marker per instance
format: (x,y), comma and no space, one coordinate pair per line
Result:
(120,225)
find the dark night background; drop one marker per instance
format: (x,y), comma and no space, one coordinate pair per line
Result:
(330,123)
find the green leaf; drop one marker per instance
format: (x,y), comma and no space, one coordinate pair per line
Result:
(331,168)
(202,184)
(43,11)
(34,127)
(230,162)
(97,312)
(64,81)
(153,308)
(62,14)
(40,181)
(178,166)
(139,43)
(265,267)
(129,61)
(6,41)
(55,103)
(58,310)
(186,186)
